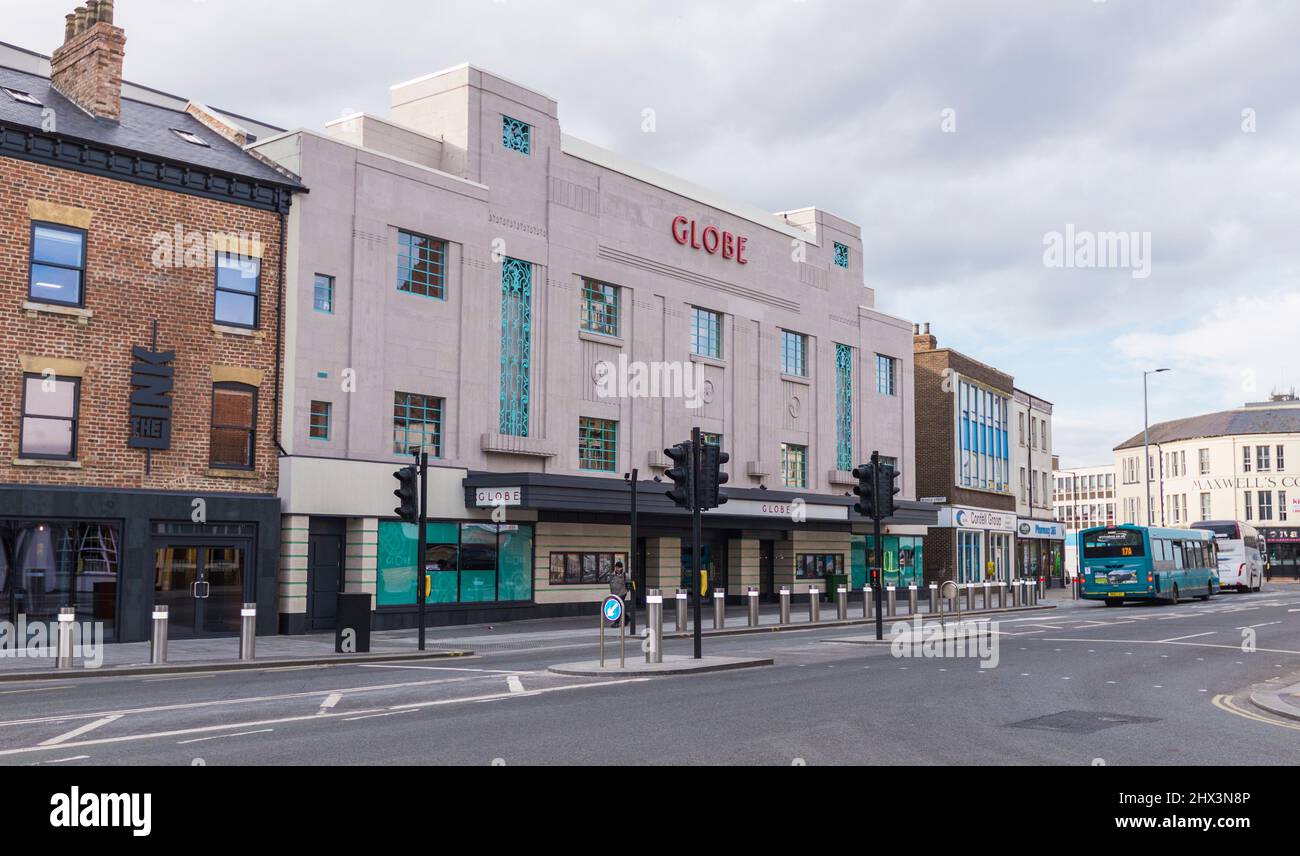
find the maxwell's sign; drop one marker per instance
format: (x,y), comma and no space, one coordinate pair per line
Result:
(711,239)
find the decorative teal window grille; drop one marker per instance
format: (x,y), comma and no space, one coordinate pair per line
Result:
(794,353)
(516,344)
(843,407)
(597,444)
(706,333)
(599,313)
(319,422)
(417,424)
(421,265)
(794,465)
(841,255)
(516,136)
(323,293)
(886,375)
(711,438)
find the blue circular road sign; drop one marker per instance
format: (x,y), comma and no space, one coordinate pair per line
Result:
(612,608)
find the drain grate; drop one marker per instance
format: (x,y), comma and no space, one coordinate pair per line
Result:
(1081,721)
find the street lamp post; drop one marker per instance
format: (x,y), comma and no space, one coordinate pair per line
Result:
(1146,441)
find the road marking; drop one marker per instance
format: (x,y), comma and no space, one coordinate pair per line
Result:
(329,702)
(65,760)
(1265,624)
(1191,636)
(514,684)
(1227,703)
(374,715)
(1164,642)
(80,730)
(178,678)
(37,689)
(445,669)
(220,736)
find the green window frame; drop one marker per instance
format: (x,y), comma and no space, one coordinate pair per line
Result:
(794,353)
(706,333)
(318,421)
(417,424)
(599,312)
(597,444)
(421,265)
(886,375)
(322,296)
(794,465)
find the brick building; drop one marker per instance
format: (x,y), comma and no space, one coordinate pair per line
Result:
(140,330)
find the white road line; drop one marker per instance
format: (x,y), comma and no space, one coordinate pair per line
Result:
(445,669)
(65,760)
(220,736)
(1265,624)
(1191,636)
(373,715)
(514,684)
(329,702)
(179,678)
(1161,642)
(37,690)
(80,730)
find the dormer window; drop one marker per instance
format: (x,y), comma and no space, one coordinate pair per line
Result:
(192,139)
(21,97)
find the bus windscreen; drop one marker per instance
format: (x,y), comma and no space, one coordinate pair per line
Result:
(1221,530)
(1113,544)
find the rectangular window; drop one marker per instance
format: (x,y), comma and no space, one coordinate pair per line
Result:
(841,255)
(57,264)
(1204,461)
(516,136)
(1245,459)
(234,421)
(1024,482)
(814,566)
(49,421)
(238,286)
(1262,459)
(597,444)
(886,375)
(1246,504)
(1281,459)
(465,562)
(421,265)
(843,407)
(706,333)
(794,465)
(599,310)
(318,427)
(516,346)
(1265,504)
(576,569)
(983,439)
(794,353)
(1281,505)
(711,439)
(417,424)
(1205,506)
(323,293)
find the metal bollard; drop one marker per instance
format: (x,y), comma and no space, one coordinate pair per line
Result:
(785,606)
(248,631)
(1037,591)
(158,644)
(654,604)
(842,603)
(987,602)
(1013,589)
(1002,594)
(814,604)
(892,603)
(681,610)
(67,615)
(935,605)
(719,608)
(911,600)
(1042,587)
(752,597)
(867,601)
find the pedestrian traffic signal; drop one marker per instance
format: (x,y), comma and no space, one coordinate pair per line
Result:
(885,479)
(409,510)
(865,490)
(711,476)
(682,474)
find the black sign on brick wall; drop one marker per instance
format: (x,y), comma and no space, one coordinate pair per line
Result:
(152,380)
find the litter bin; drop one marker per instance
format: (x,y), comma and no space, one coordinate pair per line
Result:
(833,583)
(352,623)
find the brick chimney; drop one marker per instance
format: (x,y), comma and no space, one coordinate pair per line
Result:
(87,68)
(923,341)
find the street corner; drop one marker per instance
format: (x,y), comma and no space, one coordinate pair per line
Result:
(669,666)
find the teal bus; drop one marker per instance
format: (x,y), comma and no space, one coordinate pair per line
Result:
(1136,563)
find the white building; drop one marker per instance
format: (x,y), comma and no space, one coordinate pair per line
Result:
(1241,464)
(1084,497)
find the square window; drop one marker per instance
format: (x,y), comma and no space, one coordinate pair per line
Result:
(417,424)
(841,255)
(794,353)
(599,310)
(706,333)
(516,135)
(49,420)
(597,444)
(421,265)
(319,421)
(238,284)
(57,265)
(323,294)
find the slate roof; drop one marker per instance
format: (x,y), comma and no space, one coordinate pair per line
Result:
(143,129)
(1256,419)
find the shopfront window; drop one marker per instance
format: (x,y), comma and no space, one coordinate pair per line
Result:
(903,560)
(46,565)
(466,563)
(970,557)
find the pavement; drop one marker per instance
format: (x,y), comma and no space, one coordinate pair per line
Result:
(1078,685)
(679,665)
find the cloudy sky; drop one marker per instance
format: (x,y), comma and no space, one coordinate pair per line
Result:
(959,134)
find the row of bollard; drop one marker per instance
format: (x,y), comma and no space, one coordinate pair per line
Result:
(158,638)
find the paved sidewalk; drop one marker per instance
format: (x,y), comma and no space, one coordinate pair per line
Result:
(1280,702)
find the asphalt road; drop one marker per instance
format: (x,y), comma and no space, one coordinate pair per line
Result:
(1134,685)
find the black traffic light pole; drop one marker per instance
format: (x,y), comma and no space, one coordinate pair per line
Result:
(880,547)
(631,562)
(422,458)
(696,534)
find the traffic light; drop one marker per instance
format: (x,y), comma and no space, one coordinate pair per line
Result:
(409,510)
(885,479)
(711,476)
(865,490)
(682,474)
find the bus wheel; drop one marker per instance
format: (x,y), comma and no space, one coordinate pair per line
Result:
(1205,596)
(1175,593)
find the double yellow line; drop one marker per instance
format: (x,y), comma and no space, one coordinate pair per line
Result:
(1229,704)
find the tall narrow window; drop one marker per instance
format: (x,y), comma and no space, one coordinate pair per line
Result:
(706,333)
(49,422)
(234,420)
(238,284)
(1265,505)
(516,135)
(1245,459)
(417,424)
(886,375)
(794,353)
(1281,458)
(318,427)
(597,444)
(794,465)
(1262,459)
(57,264)
(599,310)
(516,345)
(1203,461)
(323,294)
(843,407)
(421,265)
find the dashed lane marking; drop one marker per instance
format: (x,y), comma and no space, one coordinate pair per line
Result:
(222,736)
